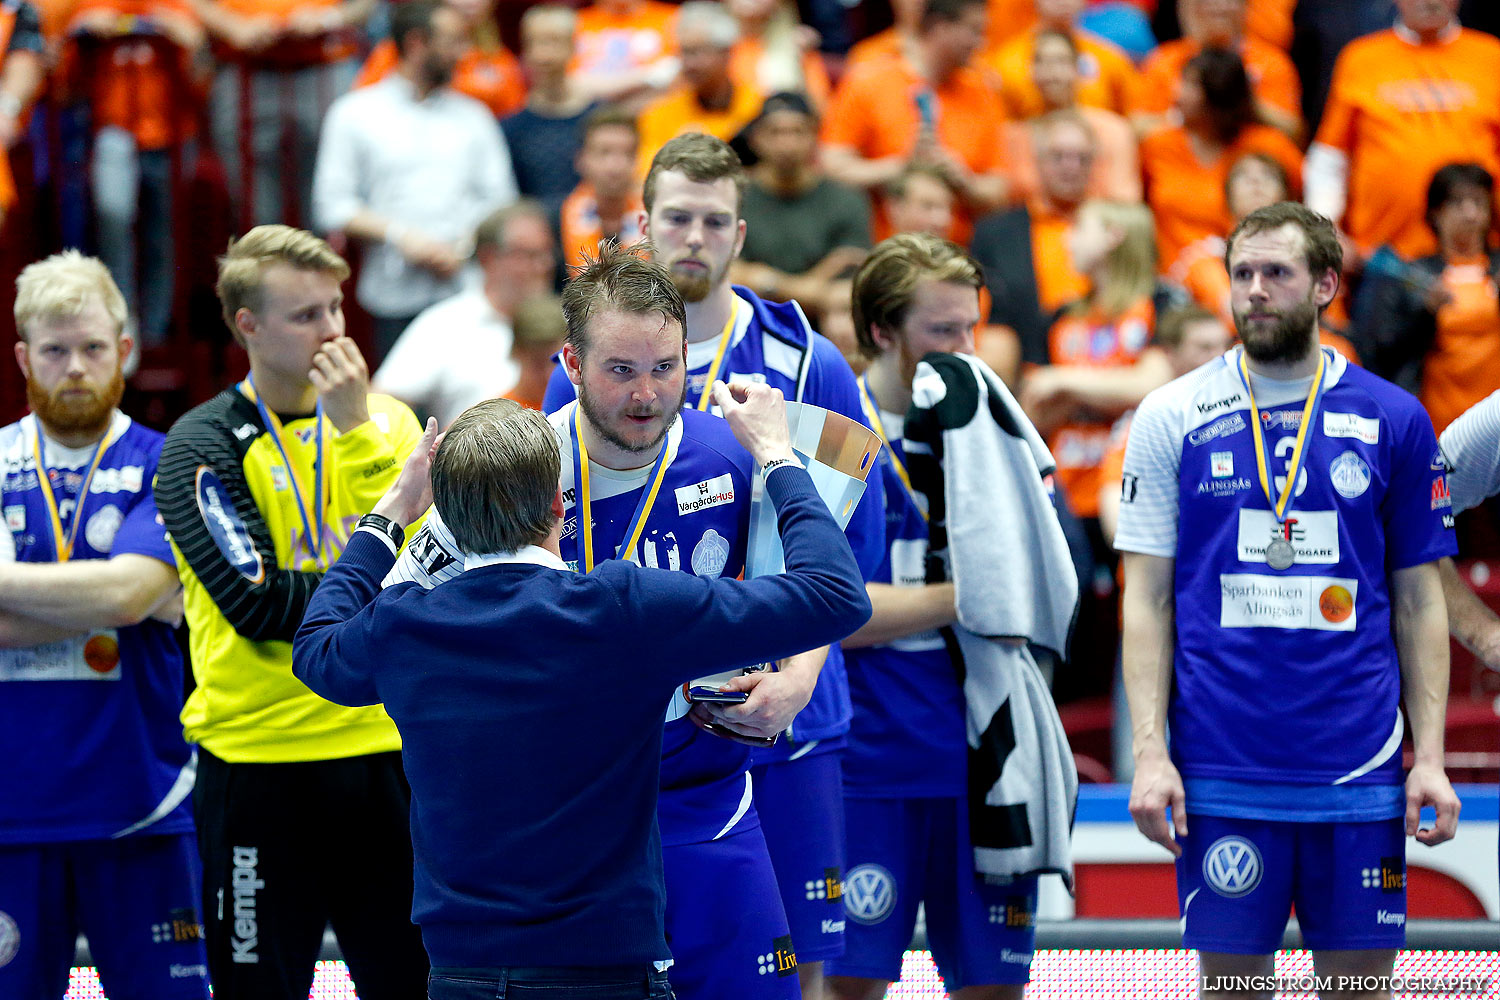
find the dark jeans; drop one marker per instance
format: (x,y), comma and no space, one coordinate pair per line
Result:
(561,983)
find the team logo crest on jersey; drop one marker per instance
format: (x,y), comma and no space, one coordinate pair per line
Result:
(1223,464)
(15,517)
(1349,475)
(101,528)
(10,939)
(226,528)
(1232,867)
(279,479)
(711,554)
(869,894)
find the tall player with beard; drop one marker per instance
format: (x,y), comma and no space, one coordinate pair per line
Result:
(96,833)
(645,479)
(1311,498)
(693,198)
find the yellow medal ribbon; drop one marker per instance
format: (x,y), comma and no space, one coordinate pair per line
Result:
(583,509)
(62,545)
(1280,505)
(299,491)
(724,339)
(873,413)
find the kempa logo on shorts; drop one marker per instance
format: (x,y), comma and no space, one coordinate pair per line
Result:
(869,894)
(245,883)
(1232,866)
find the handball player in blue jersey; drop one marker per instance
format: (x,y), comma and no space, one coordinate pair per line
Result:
(906,770)
(1267,668)
(693,197)
(96,826)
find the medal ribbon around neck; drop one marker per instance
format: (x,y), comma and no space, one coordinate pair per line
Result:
(873,413)
(642,509)
(62,545)
(724,339)
(273,427)
(1282,506)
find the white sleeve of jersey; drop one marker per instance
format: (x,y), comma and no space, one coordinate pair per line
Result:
(431,557)
(1148,493)
(1471,449)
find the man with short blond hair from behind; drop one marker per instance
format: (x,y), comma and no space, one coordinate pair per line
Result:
(298,801)
(96,833)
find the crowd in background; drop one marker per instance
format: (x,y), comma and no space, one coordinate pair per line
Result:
(1092,155)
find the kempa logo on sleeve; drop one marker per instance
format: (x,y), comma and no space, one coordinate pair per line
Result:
(709,493)
(1351,425)
(1323,603)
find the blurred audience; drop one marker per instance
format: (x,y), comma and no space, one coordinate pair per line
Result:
(776,52)
(626,48)
(921,200)
(899,40)
(539,331)
(544,137)
(487,71)
(459,351)
(802,230)
(926,106)
(606,204)
(1103,76)
(1403,103)
(412,204)
(1117,162)
(706,99)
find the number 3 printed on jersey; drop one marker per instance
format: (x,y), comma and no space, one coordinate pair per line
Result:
(1284,449)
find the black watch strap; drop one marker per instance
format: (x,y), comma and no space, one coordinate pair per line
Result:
(390,529)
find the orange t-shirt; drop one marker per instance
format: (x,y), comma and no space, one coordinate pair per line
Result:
(1273,78)
(745,70)
(1088,339)
(874,113)
(881,45)
(1008,18)
(1057,283)
(1463,365)
(581,228)
(1270,21)
(319,50)
(7,179)
(610,43)
(1187,195)
(1117,159)
(493,78)
(136,82)
(1106,77)
(1400,111)
(678,111)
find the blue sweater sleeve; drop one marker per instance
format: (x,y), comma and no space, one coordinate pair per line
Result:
(333,653)
(560,391)
(718,624)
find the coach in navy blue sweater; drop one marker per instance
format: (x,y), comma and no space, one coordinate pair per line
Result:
(530,699)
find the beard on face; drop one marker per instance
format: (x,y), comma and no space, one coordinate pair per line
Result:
(80,414)
(693,286)
(1286,339)
(600,421)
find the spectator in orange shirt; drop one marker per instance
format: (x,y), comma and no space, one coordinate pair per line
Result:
(775,52)
(606,204)
(540,329)
(1104,76)
(132,60)
(900,39)
(1185,166)
(1100,359)
(23,53)
(626,49)
(487,71)
(1255,180)
(1436,328)
(1117,159)
(929,107)
(281,64)
(1403,103)
(1221,24)
(706,100)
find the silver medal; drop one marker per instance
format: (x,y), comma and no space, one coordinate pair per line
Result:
(1280,555)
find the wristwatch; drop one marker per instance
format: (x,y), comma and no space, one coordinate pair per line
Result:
(777,463)
(385,526)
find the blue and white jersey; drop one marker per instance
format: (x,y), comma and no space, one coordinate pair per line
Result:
(699,524)
(772,342)
(907,738)
(1286,677)
(89,731)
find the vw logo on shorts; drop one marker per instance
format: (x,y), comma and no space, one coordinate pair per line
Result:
(869,894)
(1232,866)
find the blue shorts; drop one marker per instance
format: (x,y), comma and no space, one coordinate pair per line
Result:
(801,806)
(137,901)
(1238,878)
(725,924)
(908,851)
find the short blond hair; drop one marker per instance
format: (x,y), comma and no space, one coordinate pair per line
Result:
(885,286)
(243,265)
(62,286)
